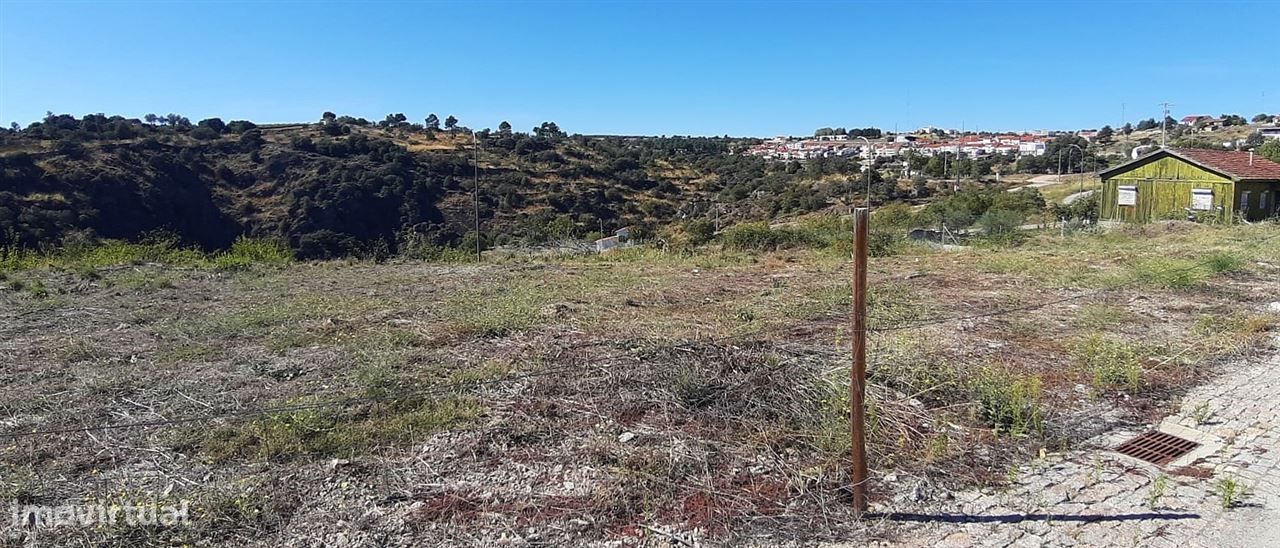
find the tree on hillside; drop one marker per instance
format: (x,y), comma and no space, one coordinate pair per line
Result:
(504,128)
(240,126)
(1261,118)
(1127,129)
(433,122)
(451,123)
(151,119)
(1105,134)
(328,117)
(214,124)
(177,120)
(1271,150)
(934,167)
(1149,123)
(549,130)
(394,120)
(204,133)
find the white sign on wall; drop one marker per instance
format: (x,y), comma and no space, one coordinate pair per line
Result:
(1128,196)
(1202,199)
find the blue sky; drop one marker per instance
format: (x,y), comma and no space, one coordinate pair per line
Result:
(703,68)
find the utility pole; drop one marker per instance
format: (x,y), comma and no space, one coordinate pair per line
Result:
(1124,119)
(475,190)
(1163,129)
(858,373)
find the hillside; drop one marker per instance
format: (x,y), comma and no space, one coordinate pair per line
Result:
(346,186)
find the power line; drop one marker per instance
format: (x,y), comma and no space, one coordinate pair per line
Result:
(1002,312)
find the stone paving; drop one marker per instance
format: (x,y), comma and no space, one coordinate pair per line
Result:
(1100,498)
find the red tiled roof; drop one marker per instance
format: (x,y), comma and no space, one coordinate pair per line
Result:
(1233,163)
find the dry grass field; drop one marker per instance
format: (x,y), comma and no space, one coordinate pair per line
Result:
(582,399)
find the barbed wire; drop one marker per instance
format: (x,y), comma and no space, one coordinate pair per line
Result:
(1045,304)
(437,389)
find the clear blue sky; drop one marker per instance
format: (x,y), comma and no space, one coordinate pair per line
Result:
(704,68)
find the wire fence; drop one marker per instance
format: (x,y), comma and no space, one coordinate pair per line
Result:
(441,389)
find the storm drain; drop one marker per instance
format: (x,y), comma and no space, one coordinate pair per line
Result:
(1157,447)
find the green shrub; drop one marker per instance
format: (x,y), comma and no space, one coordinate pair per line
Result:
(246,252)
(752,237)
(333,431)
(1220,262)
(700,231)
(1168,273)
(1001,224)
(1111,364)
(896,215)
(1009,403)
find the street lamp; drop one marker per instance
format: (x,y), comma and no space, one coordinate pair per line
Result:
(1077,147)
(871,162)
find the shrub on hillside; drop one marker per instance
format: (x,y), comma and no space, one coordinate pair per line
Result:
(699,231)
(1001,224)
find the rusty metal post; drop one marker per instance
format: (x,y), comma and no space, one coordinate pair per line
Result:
(858,373)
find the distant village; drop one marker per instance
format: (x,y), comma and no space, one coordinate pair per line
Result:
(924,142)
(930,141)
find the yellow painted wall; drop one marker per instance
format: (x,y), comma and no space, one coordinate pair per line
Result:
(1164,190)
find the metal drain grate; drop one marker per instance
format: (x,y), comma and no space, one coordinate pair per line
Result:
(1157,447)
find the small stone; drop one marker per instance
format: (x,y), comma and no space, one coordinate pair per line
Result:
(626,437)
(1274,307)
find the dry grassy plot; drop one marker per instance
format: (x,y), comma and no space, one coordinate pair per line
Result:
(582,399)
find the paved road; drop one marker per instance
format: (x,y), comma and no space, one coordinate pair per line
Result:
(1040,181)
(1099,498)
(1072,198)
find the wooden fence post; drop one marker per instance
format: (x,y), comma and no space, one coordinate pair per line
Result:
(858,373)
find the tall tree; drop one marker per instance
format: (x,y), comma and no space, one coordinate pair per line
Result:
(504,128)
(433,121)
(450,123)
(1105,134)
(1271,150)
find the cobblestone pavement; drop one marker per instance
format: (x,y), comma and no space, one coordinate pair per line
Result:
(1101,498)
